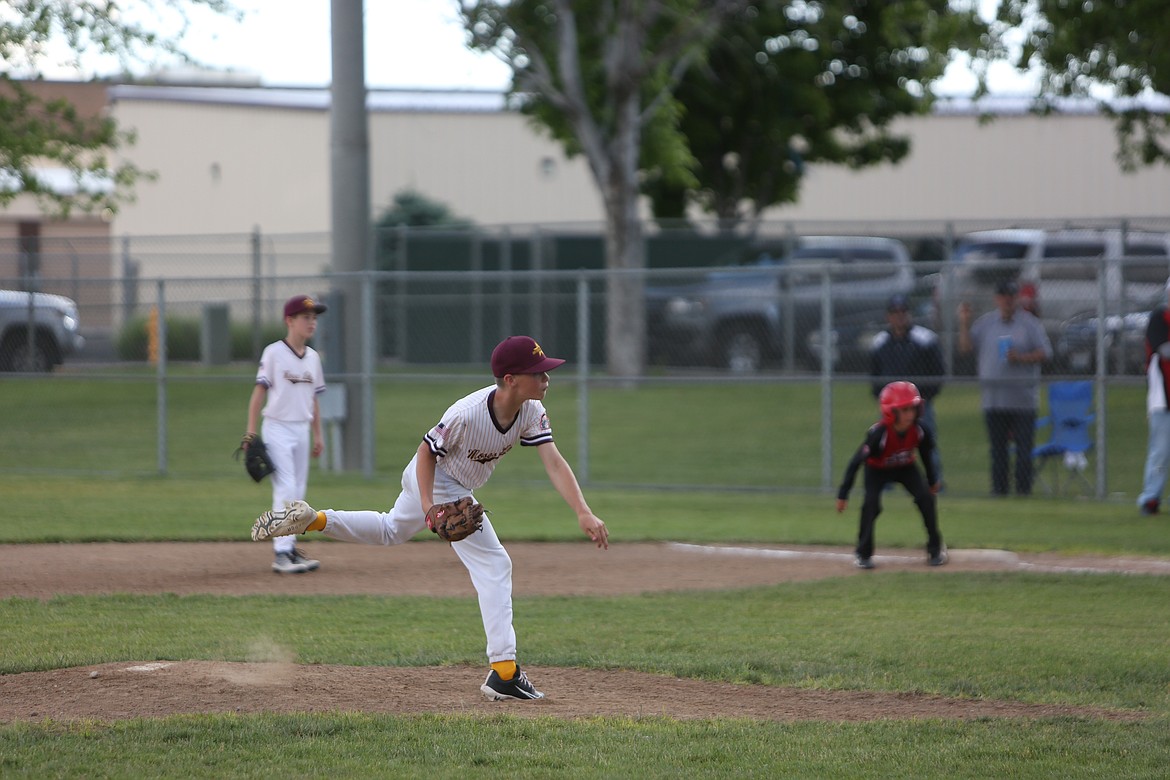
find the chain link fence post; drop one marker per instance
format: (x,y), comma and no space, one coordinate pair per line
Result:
(161,375)
(828,344)
(583,324)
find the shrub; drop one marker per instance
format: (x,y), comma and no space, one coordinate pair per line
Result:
(242,338)
(182,339)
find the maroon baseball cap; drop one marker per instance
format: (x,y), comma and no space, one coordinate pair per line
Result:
(300,304)
(521,355)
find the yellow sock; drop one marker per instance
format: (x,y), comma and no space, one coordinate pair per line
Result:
(506,669)
(318,524)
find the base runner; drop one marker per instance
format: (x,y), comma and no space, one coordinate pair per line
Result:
(888,455)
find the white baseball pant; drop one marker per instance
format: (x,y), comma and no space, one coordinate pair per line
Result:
(289,448)
(482,554)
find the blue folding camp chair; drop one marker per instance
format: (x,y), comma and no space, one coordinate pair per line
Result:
(1070,414)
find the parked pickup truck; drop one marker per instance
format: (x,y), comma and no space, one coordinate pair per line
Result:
(54,329)
(745,317)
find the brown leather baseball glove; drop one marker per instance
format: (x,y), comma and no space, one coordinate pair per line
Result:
(455,520)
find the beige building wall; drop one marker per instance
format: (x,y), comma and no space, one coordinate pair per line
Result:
(1017,167)
(226,168)
(232,159)
(489,167)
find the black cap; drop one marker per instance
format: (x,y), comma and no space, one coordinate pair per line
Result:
(898,303)
(1007,287)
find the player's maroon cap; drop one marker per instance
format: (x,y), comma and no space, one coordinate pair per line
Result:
(299,304)
(521,355)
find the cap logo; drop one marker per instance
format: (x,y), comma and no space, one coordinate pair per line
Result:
(309,303)
(536,350)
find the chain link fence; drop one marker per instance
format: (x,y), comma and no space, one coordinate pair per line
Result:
(757,347)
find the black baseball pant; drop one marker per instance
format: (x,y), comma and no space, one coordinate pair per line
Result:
(911,478)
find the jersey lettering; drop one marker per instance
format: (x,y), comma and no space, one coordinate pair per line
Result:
(896,450)
(293,382)
(487,457)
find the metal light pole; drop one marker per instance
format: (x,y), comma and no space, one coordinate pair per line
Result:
(350,200)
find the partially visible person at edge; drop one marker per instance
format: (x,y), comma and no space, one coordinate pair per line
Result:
(1157,408)
(454,458)
(1010,345)
(288,384)
(905,350)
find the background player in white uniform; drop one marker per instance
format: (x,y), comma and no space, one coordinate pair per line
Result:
(288,384)
(455,457)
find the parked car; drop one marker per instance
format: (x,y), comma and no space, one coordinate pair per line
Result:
(743,318)
(52,337)
(1065,269)
(851,340)
(1124,334)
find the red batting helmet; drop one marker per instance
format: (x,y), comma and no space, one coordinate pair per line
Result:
(898,395)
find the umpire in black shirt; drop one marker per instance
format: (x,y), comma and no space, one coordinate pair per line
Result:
(905,351)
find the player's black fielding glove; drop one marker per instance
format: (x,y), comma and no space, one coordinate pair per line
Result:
(256,460)
(455,520)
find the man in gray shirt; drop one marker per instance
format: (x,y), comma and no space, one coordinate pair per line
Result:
(1009,344)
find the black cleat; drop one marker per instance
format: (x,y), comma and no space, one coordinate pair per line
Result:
(496,689)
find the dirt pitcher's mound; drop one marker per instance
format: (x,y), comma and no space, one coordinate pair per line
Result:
(124,690)
(156,689)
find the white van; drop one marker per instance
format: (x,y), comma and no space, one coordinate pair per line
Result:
(1063,267)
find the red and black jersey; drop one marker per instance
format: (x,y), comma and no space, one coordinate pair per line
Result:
(891,449)
(1157,334)
(885,448)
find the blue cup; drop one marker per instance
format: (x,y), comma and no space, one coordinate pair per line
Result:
(1005,344)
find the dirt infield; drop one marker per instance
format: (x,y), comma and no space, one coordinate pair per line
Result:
(140,689)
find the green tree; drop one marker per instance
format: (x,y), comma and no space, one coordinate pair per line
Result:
(1117,47)
(598,75)
(411,208)
(786,84)
(38,132)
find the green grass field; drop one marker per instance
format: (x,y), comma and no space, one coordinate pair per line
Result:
(1087,640)
(767,435)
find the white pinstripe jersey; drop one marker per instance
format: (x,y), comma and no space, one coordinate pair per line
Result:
(469,442)
(293,382)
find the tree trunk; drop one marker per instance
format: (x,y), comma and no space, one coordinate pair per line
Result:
(625,321)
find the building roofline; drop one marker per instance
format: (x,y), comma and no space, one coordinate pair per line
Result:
(317,98)
(1021,104)
(494,101)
